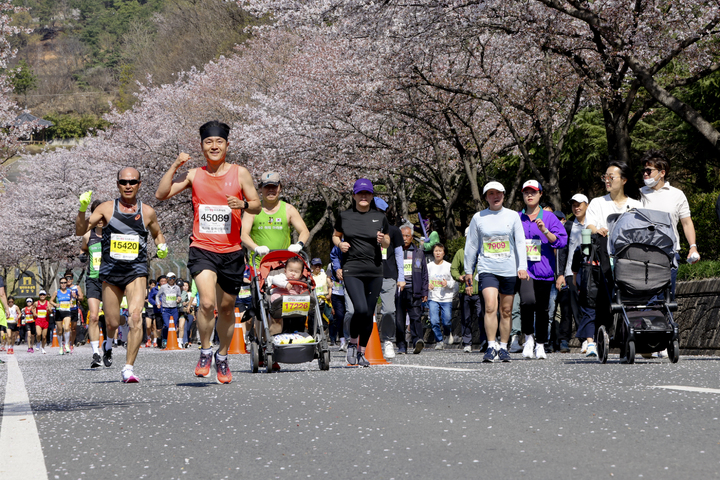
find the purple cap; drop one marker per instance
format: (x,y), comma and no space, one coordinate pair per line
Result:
(363,185)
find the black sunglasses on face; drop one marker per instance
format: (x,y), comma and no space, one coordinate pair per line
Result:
(132,182)
(648,171)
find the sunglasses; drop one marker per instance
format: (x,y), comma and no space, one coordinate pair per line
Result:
(63,283)
(132,182)
(648,171)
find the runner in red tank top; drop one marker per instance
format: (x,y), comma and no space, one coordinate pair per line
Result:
(220,192)
(42,312)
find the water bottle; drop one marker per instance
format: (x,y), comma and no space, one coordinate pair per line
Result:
(586,241)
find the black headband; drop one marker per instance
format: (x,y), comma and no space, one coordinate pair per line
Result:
(214,130)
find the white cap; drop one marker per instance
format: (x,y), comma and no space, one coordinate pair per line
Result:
(170,274)
(493,186)
(534,184)
(42,292)
(580,198)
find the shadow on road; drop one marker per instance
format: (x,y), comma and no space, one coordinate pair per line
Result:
(71,406)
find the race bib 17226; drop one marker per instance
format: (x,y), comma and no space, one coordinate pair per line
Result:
(295,305)
(215,219)
(124,247)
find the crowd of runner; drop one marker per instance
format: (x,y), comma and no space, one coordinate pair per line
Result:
(516,278)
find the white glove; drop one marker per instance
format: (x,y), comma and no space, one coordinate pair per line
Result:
(261,250)
(694,257)
(295,247)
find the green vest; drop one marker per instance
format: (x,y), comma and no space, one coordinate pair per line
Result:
(272,231)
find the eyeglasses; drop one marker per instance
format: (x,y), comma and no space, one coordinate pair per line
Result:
(608,178)
(530,192)
(63,283)
(132,182)
(648,171)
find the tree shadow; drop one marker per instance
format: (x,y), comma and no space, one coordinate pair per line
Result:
(69,406)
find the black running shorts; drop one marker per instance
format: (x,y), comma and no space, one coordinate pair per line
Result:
(121,281)
(229,267)
(93,288)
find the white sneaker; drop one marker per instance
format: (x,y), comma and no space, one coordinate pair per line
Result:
(439,346)
(515,346)
(660,354)
(529,349)
(343,345)
(389,350)
(43,351)
(591,350)
(540,351)
(584,347)
(450,339)
(467,349)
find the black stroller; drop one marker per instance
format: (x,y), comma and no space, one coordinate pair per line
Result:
(641,247)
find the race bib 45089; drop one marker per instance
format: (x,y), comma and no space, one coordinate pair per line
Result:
(215,219)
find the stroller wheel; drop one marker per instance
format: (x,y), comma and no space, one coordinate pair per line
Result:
(269,363)
(603,344)
(630,352)
(324,360)
(254,357)
(674,351)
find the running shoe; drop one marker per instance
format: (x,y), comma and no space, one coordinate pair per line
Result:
(62,351)
(439,345)
(504,355)
(352,353)
(276,367)
(490,355)
(540,351)
(591,350)
(107,356)
(203,366)
(583,349)
(402,350)
(30,350)
(96,361)
(343,346)
(419,346)
(11,350)
(68,348)
(128,376)
(362,361)
(389,350)
(72,348)
(223,370)
(564,347)
(148,343)
(515,346)
(2,348)
(467,349)
(43,351)
(529,348)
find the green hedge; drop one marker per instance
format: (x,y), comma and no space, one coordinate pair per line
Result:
(704,217)
(700,270)
(454,245)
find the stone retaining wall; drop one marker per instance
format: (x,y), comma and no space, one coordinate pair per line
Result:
(698,316)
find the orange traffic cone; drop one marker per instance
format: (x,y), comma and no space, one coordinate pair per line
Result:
(373,352)
(55,342)
(237,344)
(101,338)
(172,341)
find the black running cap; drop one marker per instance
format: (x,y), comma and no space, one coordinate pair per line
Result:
(214,129)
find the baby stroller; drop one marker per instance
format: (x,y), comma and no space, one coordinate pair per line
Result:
(641,243)
(295,310)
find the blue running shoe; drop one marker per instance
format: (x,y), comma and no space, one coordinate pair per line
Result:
(490,355)
(504,356)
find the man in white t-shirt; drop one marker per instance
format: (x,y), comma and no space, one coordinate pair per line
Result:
(657,194)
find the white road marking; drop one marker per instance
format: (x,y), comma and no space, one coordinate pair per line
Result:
(688,389)
(23,457)
(449,369)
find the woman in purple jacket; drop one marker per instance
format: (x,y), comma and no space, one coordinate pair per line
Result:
(543,234)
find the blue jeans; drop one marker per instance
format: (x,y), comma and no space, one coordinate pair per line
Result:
(438,309)
(166,314)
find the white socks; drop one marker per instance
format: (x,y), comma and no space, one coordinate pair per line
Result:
(492,344)
(95,344)
(108,344)
(503,346)
(67,338)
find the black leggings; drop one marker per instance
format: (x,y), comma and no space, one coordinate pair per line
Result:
(364,293)
(534,304)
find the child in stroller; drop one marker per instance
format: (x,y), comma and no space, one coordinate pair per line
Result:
(294,268)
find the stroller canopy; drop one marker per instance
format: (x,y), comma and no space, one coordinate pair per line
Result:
(643,226)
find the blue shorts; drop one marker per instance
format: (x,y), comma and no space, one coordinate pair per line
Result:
(505,285)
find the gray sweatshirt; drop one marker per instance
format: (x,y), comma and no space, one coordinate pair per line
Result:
(168,296)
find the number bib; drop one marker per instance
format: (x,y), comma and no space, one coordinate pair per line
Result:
(171,298)
(28,319)
(244,292)
(124,247)
(496,247)
(42,313)
(533,249)
(64,306)
(215,219)
(407,266)
(435,283)
(96,259)
(295,305)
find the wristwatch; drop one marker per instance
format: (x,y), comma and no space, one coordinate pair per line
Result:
(246,205)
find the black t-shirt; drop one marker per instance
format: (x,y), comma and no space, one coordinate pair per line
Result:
(364,257)
(389,263)
(2,282)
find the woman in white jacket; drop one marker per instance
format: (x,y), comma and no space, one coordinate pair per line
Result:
(441,288)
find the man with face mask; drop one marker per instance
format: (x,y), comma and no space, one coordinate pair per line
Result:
(657,194)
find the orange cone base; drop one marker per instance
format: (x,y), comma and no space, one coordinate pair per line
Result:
(172,341)
(237,344)
(55,342)
(373,351)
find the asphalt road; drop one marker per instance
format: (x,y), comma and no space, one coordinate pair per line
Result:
(434,415)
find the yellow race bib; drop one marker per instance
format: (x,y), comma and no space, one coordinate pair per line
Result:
(295,305)
(496,247)
(124,247)
(533,249)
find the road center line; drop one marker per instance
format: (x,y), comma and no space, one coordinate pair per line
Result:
(688,389)
(23,457)
(450,369)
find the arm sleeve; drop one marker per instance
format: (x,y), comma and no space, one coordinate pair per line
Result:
(385,225)
(338,223)
(451,282)
(335,259)
(472,243)
(399,262)
(457,263)
(563,253)
(519,238)
(557,229)
(684,208)
(592,217)
(279,280)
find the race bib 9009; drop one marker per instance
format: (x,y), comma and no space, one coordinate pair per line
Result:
(124,247)
(496,247)
(215,219)
(295,305)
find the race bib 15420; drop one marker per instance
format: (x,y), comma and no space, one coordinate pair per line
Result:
(215,219)
(124,247)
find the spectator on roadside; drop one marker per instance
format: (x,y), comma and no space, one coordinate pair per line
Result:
(568,293)
(471,306)
(441,291)
(410,298)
